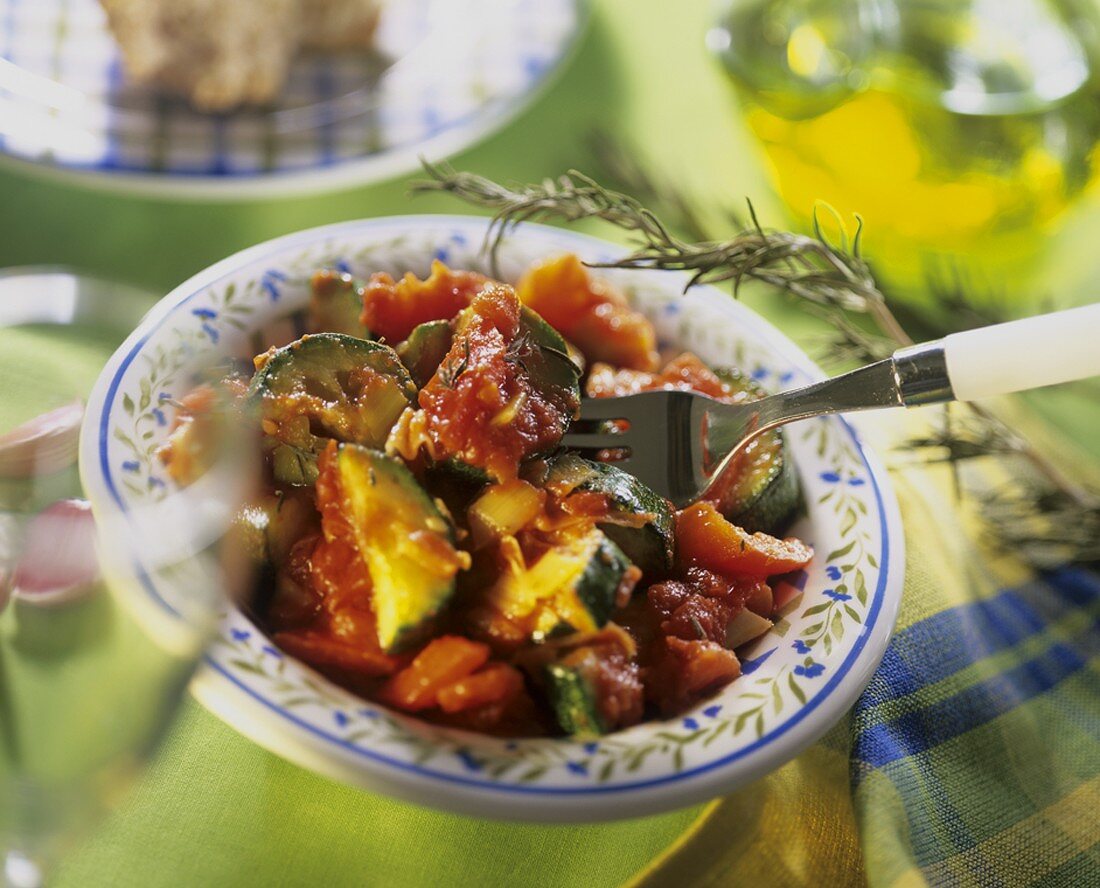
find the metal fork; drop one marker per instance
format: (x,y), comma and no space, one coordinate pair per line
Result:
(679,443)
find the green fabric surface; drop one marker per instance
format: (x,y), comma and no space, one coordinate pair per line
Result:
(215,809)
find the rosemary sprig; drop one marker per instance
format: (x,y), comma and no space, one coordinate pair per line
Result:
(1043,525)
(840,287)
(851,342)
(453,367)
(665,198)
(810,268)
(961,440)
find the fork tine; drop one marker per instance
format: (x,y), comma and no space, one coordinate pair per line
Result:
(594,440)
(602,409)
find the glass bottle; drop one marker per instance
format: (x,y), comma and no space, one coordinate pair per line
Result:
(960,130)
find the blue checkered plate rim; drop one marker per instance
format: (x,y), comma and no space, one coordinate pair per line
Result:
(443,74)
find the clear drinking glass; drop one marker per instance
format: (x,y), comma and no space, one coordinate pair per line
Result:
(91,668)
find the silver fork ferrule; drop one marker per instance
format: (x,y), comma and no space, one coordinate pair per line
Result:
(921,373)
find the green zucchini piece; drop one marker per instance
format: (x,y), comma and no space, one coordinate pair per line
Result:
(336,304)
(595,588)
(571,588)
(575,674)
(327,385)
(549,364)
(250,530)
(294,465)
(406,542)
(577,357)
(572,696)
(766,494)
(269,527)
(540,331)
(464,472)
(425,349)
(652,546)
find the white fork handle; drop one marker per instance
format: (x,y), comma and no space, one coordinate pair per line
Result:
(1024,354)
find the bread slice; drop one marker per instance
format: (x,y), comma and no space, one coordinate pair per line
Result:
(338,24)
(221,54)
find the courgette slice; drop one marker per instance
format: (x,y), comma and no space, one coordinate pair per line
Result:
(463,472)
(572,696)
(425,349)
(762,492)
(570,588)
(336,304)
(650,545)
(577,674)
(327,385)
(576,356)
(406,543)
(270,526)
(547,336)
(550,364)
(293,464)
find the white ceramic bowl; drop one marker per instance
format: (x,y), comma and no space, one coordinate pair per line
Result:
(798,680)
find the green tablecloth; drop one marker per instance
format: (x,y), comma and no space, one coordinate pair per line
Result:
(217,810)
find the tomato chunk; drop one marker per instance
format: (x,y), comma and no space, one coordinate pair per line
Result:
(392,308)
(497,683)
(701,605)
(683,672)
(486,406)
(324,651)
(590,313)
(705,539)
(188,450)
(616,681)
(705,666)
(518,716)
(683,373)
(443,662)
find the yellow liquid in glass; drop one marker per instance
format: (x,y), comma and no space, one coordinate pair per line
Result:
(939,130)
(903,169)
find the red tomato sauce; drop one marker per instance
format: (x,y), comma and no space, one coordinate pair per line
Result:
(484,417)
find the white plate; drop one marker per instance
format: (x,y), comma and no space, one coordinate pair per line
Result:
(445,74)
(799,679)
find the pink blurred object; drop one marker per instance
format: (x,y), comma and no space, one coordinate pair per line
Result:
(58,562)
(42,445)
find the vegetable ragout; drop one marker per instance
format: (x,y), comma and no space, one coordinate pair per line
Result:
(425,541)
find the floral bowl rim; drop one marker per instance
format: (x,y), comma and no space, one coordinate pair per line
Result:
(722,744)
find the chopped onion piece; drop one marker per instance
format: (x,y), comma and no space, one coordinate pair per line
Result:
(745,627)
(58,563)
(42,445)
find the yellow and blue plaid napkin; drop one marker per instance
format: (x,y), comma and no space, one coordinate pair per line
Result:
(972,758)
